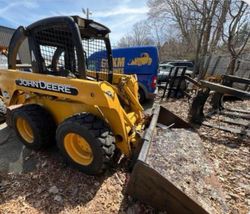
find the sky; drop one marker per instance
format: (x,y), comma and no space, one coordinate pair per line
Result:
(118,15)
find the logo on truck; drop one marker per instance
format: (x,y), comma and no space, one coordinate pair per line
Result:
(118,64)
(144,59)
(48,86)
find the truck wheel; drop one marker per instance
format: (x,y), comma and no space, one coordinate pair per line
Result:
(86,142)
(34,126)
(2,112)
(142,97)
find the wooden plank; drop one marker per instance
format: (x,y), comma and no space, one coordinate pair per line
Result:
(235,114)
(236,121)
(238,110)
(241,131)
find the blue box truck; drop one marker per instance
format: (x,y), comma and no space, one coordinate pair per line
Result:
(142,61)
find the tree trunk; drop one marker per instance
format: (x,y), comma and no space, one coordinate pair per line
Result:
(198,48)
(208,16)
(220,23)
(231,66)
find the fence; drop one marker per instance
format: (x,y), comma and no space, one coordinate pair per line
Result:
(216,65)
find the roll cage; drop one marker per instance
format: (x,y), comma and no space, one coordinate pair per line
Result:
(65,46)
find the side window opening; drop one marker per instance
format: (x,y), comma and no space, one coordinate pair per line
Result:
(96,56)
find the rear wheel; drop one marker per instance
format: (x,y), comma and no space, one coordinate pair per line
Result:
(34,126)
(86,142)
(142,96)
(2,112)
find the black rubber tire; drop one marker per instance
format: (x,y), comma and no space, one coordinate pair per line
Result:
(99,137)
(2,112)
(142,95)
(41,122)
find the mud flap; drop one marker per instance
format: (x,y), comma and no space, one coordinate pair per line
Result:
(159,178)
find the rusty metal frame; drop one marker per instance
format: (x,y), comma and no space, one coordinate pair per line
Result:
(225,89)
(171,79)
(196,114)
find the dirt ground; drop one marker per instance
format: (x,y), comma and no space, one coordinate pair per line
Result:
(41,182)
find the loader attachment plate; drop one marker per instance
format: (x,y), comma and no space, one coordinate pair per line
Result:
(172,172)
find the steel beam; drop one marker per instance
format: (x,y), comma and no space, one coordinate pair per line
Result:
(225,89)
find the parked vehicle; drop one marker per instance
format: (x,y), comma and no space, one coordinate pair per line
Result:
(164,72)
(142,61)
(3,58)
(188,64)
(3,62)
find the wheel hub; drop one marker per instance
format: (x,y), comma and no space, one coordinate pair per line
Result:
(25,130)
(78,149)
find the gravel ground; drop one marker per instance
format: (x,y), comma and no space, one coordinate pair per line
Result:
(53,187)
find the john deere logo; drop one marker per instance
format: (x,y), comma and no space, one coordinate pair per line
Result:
(144,59)
(48,86)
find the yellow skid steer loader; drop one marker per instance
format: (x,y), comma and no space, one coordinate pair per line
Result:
(70,95)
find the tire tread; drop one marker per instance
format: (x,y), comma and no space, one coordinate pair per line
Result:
(99,129)
(41,120)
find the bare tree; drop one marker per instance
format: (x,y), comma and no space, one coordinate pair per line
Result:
(224,8)
(173,49)
(158,30)
(237,34)
(197,28)
(125,41)
(140,35)
(200,22)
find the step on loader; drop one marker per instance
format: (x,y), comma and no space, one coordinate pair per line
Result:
(69,97)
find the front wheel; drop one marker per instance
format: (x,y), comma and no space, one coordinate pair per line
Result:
(86,142)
